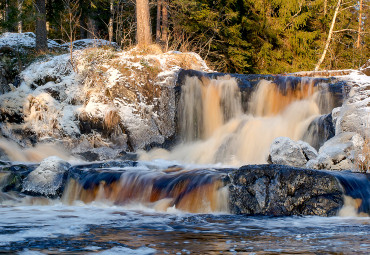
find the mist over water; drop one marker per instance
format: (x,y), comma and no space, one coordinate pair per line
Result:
(214,128)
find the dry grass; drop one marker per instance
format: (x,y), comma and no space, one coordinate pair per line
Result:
(111,119)
(154,49)
(363,159)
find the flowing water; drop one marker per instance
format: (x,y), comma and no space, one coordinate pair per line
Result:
(215,129)
(179,205)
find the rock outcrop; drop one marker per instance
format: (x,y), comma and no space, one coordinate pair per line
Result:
(121,100)
(281,190)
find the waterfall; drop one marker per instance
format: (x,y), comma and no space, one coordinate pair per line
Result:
(214,128)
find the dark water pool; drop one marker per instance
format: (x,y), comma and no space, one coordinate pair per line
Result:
(105,229)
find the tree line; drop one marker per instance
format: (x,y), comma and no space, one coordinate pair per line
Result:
(243,36)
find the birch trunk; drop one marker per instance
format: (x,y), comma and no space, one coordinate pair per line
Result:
(329,37)
(359,26)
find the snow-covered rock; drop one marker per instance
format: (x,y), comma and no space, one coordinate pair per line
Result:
(285,151)
(89,43)
(23,41)
(48,179)
(102,98)
(354,115)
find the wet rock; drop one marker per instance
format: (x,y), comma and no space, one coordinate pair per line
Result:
(4,86)
(338,153)
(48,179)
(319,131)
(282,190)
(285,151)
(17,174)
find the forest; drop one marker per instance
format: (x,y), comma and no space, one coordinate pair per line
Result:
(237,36)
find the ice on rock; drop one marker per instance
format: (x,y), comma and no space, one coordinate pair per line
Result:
(48,178)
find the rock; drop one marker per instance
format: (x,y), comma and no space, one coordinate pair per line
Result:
(4,86)
(17,174)
(284,151)
(48,179)
(90,43)
(281,190)
(308,151)
(338,153)
(319,131)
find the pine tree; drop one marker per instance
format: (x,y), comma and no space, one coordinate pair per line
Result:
(143,35)
(41,33)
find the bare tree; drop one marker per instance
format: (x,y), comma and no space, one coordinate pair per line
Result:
(329,37)
(73,18)
(41,33)
(143,34)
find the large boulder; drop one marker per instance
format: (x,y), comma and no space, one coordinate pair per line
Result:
(282,190)
(339,152)
(48,179)
(285,151)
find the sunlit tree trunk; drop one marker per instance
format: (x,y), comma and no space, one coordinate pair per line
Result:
(359,26)
(164,21)
(143,35)
(158,25)
(20,23)
(325,6)
(41,33)
(329,37)
(110,25)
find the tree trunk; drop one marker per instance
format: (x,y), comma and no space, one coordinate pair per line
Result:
(20,23)
(91,28)
(164,21)
(83,32)
(41,33)
(110,25)
(158,26)
(143,35)
(358,44)
(325,6)
(329,37)
(6,14)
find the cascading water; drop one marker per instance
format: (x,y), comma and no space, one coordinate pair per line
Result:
(214,128)
(146,207)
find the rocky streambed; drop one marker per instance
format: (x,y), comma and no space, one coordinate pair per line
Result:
(250,190)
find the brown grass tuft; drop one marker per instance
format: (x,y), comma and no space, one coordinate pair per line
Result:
(363,159)
(111,119)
